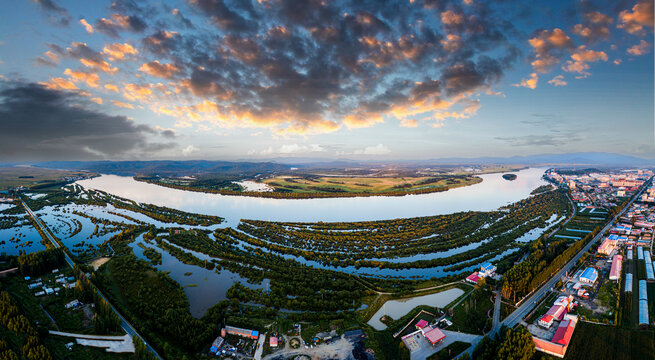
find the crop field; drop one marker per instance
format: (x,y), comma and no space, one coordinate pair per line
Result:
(344,184)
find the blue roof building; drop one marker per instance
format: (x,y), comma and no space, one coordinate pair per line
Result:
(589,275)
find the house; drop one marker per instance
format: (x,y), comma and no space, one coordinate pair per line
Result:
(273,341)
(251,334)
(556,312)
(589,276)
(421,324)
(558,345)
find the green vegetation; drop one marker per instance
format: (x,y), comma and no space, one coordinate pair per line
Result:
(472,314)
(40,262)
(316,186)
(351,244)
(19,332)
(36,178)
(509,344)
(592,341)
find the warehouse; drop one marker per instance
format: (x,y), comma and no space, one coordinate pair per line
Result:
(643,292)
(615,271)
(643,313)
(589,276)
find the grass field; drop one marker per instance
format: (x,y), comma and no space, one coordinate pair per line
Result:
(31,176)
(599,342)
(339,184)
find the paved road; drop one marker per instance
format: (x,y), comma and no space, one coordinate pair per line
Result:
(451,336)
(527,306)
(496,311)
(127,327)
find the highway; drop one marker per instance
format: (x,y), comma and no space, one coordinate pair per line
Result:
(527,306)
(127,327)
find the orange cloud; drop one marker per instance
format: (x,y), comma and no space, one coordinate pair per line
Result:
(544,44)
(101,65)
(52,56)
(634,21)
(451,43)
(362,119)
(450,17)
(111,87)
(96,100)
(530,83)
(581,58)
(122,104)
(640,49)
(118,51)
(135,92)
(91,79)
(155,68)
(59,84)
(558,81)
(409,123)
(87,26)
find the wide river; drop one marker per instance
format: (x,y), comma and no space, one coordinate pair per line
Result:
(492,193)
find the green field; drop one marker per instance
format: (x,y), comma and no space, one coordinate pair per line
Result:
(599,342)
(33,177)
(366,184)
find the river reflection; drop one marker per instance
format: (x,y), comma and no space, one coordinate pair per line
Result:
(492,193)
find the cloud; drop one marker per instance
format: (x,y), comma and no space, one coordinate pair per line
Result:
(45,124)
(640,49)
(409,123)
(635,21)
(548,46)
(48,59)
(157,69)
(189,150)
(111,87)
(558,81)
(96,100)
(87,26)
(595,27)
(91,79)
(551,140)
(57,15)
(378,149)
(122,104)
(581,58)
(118,51)
(119,22)
(530,83)
(59,84)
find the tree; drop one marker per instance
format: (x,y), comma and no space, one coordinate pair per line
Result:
(516,344)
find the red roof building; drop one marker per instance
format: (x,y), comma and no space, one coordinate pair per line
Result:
(473,278)
(421,324)
(615,271)
(434,335)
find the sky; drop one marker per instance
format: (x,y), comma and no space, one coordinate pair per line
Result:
(358,79)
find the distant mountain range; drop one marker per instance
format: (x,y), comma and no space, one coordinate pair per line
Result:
(186,167)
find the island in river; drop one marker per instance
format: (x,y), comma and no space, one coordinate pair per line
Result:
(509,177)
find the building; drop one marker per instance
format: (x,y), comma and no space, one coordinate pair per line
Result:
(607,246)
(218,342)
(628,283)
(556,312)
(643,313)
(250,334)
(273,341)
(487,270)
(615,271)
(473,278)
(589,276)
(421,324)
(433,335)
(643,291)
(558,345)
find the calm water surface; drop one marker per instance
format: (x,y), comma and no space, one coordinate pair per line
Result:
(492,193)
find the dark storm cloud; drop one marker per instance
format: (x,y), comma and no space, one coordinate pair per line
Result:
(47,124)
(57,15)
(231,16)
